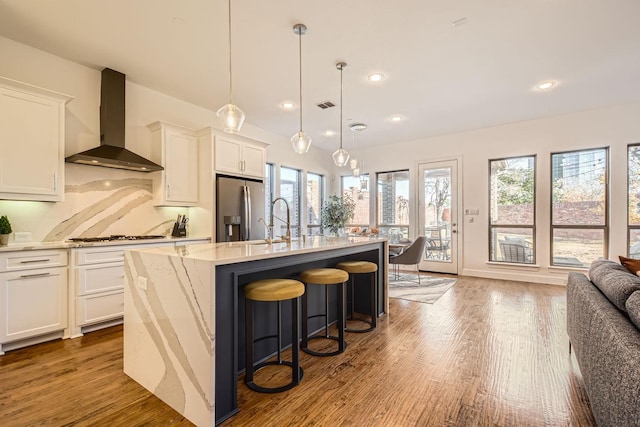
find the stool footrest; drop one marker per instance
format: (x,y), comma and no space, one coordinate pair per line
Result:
(356,319)
(322,354)
(255,387)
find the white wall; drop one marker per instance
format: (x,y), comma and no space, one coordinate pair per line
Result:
(613,127)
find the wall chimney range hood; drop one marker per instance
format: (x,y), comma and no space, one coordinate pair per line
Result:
(111,152)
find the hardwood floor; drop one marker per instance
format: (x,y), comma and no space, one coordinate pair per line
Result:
(488,352)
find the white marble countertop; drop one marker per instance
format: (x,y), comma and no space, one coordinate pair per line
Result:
(31,246)
(234,252)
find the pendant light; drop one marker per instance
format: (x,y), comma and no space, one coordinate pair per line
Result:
(340,156)
(231,115)
(300,141)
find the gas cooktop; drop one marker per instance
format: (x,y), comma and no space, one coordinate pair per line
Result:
(114,237)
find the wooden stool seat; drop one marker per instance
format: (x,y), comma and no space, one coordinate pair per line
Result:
(362,267)
(324,276)
(357,266)
(273,290)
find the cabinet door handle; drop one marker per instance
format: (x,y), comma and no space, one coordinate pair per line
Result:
(30,261)
(55,181)
(168,191)
(24,276)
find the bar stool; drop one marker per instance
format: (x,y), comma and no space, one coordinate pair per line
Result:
(273,290)
(324,276)
(360,267)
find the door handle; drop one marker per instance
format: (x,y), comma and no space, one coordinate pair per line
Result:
(26,276)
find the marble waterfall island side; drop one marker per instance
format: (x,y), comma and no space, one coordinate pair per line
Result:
(184,313)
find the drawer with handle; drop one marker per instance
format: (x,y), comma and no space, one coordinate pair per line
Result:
(29,260)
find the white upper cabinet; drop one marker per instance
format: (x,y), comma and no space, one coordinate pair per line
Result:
(239,157)
(32,123)
(176,149)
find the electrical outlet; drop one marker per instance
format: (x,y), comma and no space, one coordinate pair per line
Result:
(22,236)
(142,283)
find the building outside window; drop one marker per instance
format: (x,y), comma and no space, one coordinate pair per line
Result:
(315,200)
(290,190)
(633,205)
(579,214)
(512,200)
(392,203)
(358,190)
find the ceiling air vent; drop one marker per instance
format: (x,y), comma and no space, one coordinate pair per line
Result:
(326,104)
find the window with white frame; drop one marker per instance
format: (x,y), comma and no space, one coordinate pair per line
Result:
(579,213)
(392,202)
(315,200)
(633,204)
(357,188)
(512,200)
(290,190)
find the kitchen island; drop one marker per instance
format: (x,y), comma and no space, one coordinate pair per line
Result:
(184,313)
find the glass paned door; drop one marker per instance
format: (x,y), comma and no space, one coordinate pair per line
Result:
(438,216)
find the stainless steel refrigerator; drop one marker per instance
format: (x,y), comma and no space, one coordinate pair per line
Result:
(240,203)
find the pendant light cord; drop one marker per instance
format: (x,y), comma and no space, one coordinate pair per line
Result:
(230,78)
(341,67)
(300,53)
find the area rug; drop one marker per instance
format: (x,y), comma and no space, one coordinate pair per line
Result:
(428,291)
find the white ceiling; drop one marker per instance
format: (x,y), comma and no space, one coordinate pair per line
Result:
(442,78)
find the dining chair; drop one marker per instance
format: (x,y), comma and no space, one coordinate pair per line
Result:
(412,255)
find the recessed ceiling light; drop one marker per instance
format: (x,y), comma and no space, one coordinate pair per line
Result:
(358,126)
(396,118)
(287,105)
(376,77)
(329,133)
(546,85)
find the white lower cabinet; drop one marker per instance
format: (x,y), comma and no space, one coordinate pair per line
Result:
(33,297)
(97,286)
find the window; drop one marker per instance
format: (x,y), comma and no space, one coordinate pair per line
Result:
(269,184)
(290,191)
(392,204)
(633,186)
(315,200)
(512,201)
(579,197)
(358,190)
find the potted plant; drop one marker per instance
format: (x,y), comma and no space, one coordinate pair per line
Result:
(5,230)
(336,213)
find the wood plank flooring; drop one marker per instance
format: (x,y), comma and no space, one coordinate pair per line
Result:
(488,352)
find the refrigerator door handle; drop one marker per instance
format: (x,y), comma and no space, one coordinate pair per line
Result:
(247,196)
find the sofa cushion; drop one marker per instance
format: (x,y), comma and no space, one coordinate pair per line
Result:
(614,281)
(631,264)
(633,308)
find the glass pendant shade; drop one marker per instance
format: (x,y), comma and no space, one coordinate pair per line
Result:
(340,157)
(300,142)
(353,163)
(232,117)
(356,172)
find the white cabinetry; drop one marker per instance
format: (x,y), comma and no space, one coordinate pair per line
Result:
(33,297)
(97,286)
(239,157)
(32,134)
(176,149)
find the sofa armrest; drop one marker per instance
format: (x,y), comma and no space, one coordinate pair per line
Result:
(607,347)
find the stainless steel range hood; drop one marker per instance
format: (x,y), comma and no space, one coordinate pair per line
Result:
(111,152)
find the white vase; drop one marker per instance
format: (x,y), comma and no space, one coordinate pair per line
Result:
(4,239)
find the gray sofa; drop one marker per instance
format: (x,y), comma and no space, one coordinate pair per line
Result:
(603,323)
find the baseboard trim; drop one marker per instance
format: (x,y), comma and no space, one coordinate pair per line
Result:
(524,276)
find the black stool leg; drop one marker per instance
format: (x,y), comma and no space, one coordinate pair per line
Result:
(295,339)
(341,317)
(248,321)
(374,298)
(305,319)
